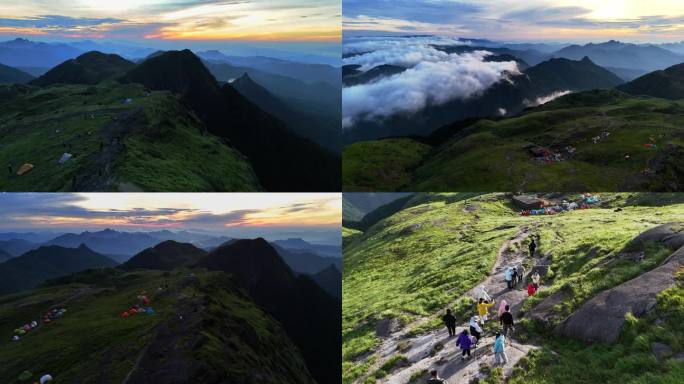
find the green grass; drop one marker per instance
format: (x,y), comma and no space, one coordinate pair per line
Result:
(165,148)
(493,156)
(92,343)
(381,165)
(417,261)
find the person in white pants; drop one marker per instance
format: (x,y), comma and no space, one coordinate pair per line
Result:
(500,350)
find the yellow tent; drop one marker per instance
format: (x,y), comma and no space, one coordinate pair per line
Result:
(26,168)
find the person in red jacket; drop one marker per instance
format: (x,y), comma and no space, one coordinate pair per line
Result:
(531,290)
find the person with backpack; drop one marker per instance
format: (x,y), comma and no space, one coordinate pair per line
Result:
(434,379)
(514,276)
(450,322)
(483,309)
(499,350)
(465,343)
(506,321)
(536,279)
(533,247)
(508,276)
(475,329)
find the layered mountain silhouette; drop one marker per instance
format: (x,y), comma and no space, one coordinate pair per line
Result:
(108,241)
(47,262)
(622,55)
(4,256)
(307,262)
(302,245)
(330,279)
(166,256)
(16,247)
(666,84)
(89,68)
(25,53)
(282,159)
(308,313)
(12,75)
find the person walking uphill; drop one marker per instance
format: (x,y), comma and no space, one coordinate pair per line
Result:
(435,379)
(475,329)
(499,350)
(506,321)
(536,279)
(483,309)
(450,322)
(508,276)
(533,247)
(465,343)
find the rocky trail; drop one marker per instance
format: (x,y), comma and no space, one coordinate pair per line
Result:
(436,350)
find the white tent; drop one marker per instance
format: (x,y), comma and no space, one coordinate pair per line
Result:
(65,157)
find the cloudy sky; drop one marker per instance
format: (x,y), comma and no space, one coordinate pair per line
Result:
(514,20)
(234,213)
(161,24)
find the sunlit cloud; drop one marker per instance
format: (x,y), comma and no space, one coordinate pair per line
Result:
(170,211)
(296,20)
(510,20)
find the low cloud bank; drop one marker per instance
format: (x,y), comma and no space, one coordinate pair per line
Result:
(545,99)
(433,77)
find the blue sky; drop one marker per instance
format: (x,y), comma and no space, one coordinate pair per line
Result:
(513,20)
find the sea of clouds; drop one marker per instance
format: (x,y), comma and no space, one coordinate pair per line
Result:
(433,77)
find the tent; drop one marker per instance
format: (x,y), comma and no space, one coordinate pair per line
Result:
(15,338)
(65,157)
(24,169)
(25,376)
(45,379)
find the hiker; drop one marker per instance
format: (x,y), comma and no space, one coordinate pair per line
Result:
(475,329)
(531,290)
(499,350)
(465,343)
(521,273)
(450,322)
(483,309)
(508,276)
(535,279)
(481,293)
(533,247)
(434,379)
(514,277)
(506,320)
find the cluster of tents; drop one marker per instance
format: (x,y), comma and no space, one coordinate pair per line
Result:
(144,308)
(550,156)
(49,316)
(21,331)
(585,202)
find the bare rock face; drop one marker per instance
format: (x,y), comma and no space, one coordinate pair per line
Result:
(601,318)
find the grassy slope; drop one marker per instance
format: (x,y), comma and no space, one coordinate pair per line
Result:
(91,342)
(418,260)
(166,152)
(493,156)
(384,165)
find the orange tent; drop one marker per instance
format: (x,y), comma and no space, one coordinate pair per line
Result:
(24,169)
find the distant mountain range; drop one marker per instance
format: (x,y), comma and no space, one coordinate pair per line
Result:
(47,262)
(88,68)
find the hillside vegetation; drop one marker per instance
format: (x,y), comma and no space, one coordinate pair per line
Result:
(594,140)
(153,143)
(401,274)
(203,330)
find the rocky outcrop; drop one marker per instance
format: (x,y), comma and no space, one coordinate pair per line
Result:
(601,318)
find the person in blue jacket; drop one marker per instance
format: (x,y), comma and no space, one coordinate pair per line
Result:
(508,276)
(465,343)
(499,350)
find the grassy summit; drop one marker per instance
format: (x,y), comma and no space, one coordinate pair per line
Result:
(152,143)
(410,266)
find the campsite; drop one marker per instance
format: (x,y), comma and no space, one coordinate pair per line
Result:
(606,306)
